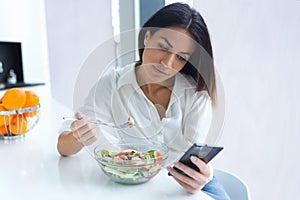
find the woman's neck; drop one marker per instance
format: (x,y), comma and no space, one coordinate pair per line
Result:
(158,93)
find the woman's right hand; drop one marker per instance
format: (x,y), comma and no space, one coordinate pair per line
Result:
(83,130)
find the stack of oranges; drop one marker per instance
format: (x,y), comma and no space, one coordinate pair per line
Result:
(16,99)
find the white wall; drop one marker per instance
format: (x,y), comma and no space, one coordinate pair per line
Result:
(74,28)
(24,21)
(257,49)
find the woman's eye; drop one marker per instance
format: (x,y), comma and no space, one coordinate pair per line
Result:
(181,58)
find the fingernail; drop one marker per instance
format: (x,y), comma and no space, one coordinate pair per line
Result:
(177,164)
(193,159)
(78,115)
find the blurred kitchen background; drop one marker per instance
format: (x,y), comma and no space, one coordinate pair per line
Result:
(256,48)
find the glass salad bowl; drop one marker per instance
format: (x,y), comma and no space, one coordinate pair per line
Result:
(131,163)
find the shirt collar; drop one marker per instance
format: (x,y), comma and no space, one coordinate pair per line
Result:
(127,76)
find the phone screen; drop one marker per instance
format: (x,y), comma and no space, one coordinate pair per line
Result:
(204,152)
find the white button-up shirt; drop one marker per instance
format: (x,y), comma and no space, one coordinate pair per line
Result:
(117,95)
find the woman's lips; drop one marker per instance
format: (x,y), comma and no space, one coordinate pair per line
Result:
(159,71)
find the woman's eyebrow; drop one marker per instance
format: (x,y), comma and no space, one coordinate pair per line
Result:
(170,45)
(186,53)
(167,41)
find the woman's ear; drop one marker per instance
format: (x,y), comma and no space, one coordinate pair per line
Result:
(146,38)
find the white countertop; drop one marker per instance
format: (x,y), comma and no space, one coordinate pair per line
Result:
(33,169)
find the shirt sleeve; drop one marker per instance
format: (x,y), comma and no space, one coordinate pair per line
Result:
(195,127)
(97,105)
(198,118)
(196,121)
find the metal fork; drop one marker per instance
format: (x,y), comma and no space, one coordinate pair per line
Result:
(120,126)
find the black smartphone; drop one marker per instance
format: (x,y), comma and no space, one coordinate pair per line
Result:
(204,152)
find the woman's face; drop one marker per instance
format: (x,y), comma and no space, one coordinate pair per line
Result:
(166,52)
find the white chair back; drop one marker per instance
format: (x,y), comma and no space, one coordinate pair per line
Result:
(235,187)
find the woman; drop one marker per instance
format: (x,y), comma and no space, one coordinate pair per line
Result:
(169,92)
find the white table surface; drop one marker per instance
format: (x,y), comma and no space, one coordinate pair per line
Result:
(32,168)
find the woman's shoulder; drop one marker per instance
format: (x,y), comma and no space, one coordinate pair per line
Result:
(185,84)
(194,96)
(203,94)
(115,77)
(115,73)
(121,70)
(125,75)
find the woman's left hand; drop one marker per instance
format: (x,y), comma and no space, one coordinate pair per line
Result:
(193,181)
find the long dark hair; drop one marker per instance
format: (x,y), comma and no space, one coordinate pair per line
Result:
(200,66)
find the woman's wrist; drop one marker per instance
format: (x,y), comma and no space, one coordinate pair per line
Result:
(68,144)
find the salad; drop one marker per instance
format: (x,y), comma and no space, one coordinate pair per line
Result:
(131,166)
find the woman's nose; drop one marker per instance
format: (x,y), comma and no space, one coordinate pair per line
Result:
(169,59)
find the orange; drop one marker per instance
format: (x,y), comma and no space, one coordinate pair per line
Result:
(3,130)
(31,114)
(32,99)
(18,125)
(14,99)
(4,119)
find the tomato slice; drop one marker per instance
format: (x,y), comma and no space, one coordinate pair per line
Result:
(158,156)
